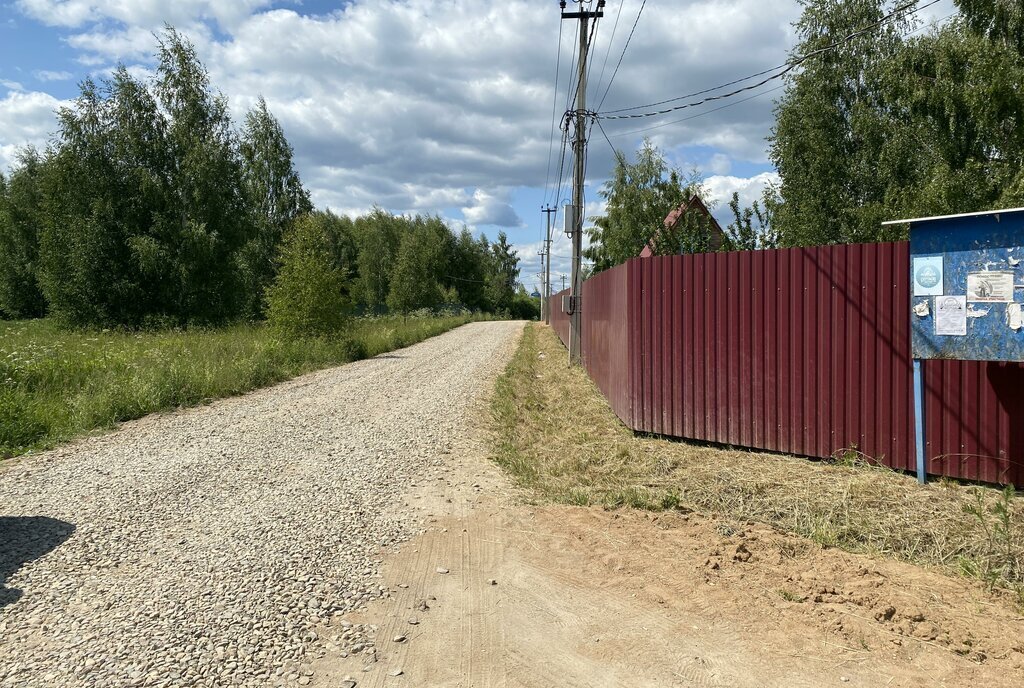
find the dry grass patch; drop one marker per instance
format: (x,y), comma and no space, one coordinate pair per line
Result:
(555,432)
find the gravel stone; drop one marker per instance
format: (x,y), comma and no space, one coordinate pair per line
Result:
(221,545)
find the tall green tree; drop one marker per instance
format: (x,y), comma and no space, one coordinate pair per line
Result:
(108,247)
(743,234)
(275,196)
(21,217)
(639,195)
(378,236)
(502,274)
(835,135)
(890,125)
(1001,21)
(961,90)
(418,268)
(341,237)
(469,269)
(206,181)
(308,296)
(145,211)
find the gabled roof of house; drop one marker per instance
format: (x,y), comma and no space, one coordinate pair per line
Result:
(673,218)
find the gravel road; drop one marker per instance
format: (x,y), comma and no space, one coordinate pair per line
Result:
(222,545)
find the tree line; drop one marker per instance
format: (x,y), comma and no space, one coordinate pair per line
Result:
(903,121)
(149,209)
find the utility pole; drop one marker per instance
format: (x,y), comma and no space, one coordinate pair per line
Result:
(540,275)
(563,282)
(579,149)
(547,269)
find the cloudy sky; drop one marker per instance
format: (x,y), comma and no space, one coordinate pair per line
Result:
(440,106)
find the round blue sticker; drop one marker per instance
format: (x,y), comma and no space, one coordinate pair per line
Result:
(927,276)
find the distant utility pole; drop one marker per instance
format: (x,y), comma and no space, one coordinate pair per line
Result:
(546,309)
(540,275)
(563,282)
(579,149)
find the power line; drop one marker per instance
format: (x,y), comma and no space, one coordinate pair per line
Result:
(786,67)
(619,63)
(568,100)
(930,25)
(554,109)
(621,158)
(611,40)
(700,114)
(561,167)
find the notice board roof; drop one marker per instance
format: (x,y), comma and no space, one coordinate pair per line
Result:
(984,213)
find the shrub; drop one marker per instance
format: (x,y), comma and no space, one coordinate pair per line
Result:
(309,295)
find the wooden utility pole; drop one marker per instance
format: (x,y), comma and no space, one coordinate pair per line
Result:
(580,151)
(546,308)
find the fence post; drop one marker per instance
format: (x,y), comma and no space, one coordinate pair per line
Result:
(922,475)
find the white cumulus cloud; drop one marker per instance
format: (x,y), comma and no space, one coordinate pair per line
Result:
(26,118)
(423,106)
(489,208)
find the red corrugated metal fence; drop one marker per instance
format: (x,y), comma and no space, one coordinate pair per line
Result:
(804,351)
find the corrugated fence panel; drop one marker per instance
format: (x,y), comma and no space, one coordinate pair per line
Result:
(605,338)
(975,420)
(805,351)
(559,320)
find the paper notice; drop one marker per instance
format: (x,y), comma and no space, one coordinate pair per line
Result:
(922,309)
(927,275)
(990,287)
(1013,316)
(951,315)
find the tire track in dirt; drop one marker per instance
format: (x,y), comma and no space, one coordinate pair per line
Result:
(591,598)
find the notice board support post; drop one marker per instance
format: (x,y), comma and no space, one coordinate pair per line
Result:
(922,476)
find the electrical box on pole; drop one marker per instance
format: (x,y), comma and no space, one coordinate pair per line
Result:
(569,220)
(966,277)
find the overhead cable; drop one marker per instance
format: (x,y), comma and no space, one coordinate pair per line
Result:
(623,54)
(611,40)
(699,114)
(785,68)
(554,111)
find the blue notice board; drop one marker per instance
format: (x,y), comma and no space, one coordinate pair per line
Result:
(967,286)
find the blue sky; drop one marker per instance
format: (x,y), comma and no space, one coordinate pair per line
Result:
(432,106)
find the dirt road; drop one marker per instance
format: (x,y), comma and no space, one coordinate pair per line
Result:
(215,546)
(560,596)
(347,529)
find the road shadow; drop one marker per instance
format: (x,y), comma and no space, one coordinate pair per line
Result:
(23,539)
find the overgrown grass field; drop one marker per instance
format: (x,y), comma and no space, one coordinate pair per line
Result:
(557,435)
(56,385)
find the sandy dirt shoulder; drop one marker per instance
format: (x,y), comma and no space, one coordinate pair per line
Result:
(587,597)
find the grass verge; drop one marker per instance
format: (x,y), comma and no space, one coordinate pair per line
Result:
(554,432)
(56,385)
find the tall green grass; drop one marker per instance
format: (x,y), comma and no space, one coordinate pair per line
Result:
(56,385)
